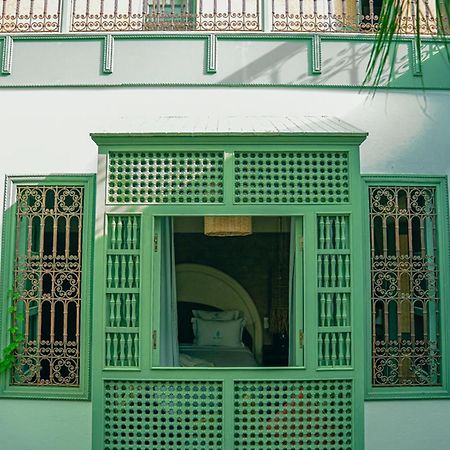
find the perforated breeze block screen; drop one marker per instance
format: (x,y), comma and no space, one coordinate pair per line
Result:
(291,177)
(165,177)
(293,415)
(267,415)
(163,415)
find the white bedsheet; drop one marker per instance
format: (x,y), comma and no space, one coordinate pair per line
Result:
(220,356)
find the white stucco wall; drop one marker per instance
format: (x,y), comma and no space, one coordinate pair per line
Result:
(45,425)
(407,425)
(45,131)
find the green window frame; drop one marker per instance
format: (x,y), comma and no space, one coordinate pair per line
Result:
(47,251)
(408,295)
(143,177)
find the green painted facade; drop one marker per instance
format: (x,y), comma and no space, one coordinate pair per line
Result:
(235,63)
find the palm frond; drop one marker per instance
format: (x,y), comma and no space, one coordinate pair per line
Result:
(393,20)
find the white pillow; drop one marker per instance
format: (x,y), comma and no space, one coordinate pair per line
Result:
(225,333)
(216,315)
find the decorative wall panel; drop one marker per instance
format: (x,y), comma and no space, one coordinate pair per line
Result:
(334,289)
(291,177)
(166,177)
(292,414)
(405,291)
(122,291)
(47,278)
(163,415)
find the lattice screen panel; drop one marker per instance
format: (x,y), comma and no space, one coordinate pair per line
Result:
(163,415)
(122,291)
(287,415)
(291,177)
(333,282)
(165,177)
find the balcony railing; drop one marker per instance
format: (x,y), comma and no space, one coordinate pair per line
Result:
(354,16)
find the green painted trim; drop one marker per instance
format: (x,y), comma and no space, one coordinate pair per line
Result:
(134,142)
(442,219)
(108,54)
(211,54)
(415,58)
(7,52)
(355,87)
(316,55)
(220,35)
(45,392)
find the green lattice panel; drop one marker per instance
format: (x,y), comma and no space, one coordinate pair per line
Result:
(123,261)
(291,177)
(334,291)
(165,178)
(163,415)
(287,415)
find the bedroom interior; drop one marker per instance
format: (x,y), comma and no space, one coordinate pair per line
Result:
(232,292)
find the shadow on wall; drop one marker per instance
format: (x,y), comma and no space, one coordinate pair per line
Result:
(267,68)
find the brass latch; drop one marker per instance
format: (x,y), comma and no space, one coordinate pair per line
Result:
(301,338)
(155,242)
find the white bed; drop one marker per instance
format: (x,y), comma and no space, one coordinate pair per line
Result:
(219,356)
(205,285)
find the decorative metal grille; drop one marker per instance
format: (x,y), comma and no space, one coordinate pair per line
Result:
(166,15)
(122,291)
(166,177)
(288,177)
(351,16)
(286,415)
(163,415)
(29,16)
(333,278)
(405,291)
(48,277)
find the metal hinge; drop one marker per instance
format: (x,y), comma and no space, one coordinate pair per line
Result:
(301,242)
(154,339)
(155,242)
(301,338)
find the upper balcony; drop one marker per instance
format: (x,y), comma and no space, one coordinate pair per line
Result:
(314,16)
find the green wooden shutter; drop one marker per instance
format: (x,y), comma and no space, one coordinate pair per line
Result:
(123,280)
(334,291)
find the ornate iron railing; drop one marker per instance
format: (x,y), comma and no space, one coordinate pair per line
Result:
(351,16)
(26,16)
(354,16)
(166,15)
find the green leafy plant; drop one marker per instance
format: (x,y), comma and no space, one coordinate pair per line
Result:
(392,22)
(16,338)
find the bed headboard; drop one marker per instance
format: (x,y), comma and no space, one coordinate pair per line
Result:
(197,283)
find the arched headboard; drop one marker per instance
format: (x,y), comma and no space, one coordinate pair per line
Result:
(203,284)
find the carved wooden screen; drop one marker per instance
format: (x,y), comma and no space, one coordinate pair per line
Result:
(405,292)
(147,405)
(123,291)
(47,276)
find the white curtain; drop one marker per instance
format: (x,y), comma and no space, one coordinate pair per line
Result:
(292,289)
(169,353)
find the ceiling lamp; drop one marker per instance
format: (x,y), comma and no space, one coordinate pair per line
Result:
(228,226)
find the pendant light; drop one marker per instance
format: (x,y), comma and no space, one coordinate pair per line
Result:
(228,226)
